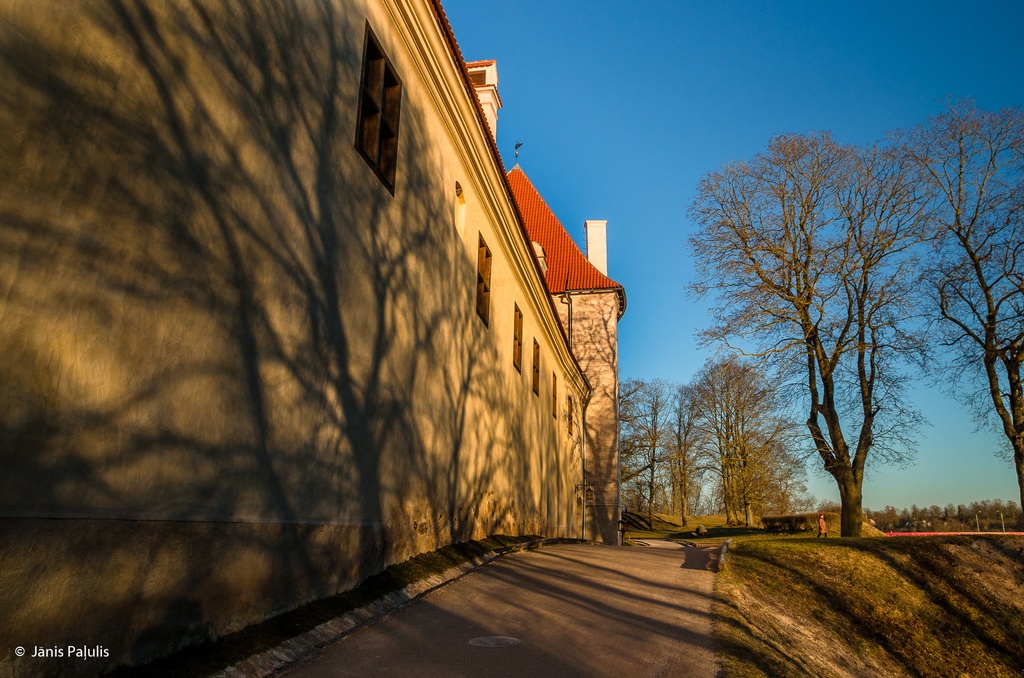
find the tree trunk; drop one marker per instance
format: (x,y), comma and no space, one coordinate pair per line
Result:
(851,496)
(679,498)
(727,500)
(1018,462)
(684,501)
(1012,416)
(676,510)
(650,496)
(729,497)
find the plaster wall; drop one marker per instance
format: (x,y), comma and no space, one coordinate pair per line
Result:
(238,373)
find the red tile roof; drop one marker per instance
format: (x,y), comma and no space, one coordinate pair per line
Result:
(572,262)
(460,63)
(568,268)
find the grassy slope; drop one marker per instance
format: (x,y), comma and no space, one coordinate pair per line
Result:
(938,606)
(667,526)
(671,527)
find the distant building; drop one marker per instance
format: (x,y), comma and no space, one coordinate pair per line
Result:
(270,319)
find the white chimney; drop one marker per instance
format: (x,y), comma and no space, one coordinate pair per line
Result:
(484,76)
(542,258)
(597,243)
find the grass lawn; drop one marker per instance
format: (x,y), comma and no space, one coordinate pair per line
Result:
(670,527)
(925,606)
(795,605)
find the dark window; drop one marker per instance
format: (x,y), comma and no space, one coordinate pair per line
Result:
(380,99)
(460,208)
(554,395)
(569,413)
(536,368)
(517,339)
(483,281)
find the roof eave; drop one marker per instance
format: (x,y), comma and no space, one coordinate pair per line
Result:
(456,53)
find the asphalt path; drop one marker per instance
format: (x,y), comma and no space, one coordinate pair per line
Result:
(575,610)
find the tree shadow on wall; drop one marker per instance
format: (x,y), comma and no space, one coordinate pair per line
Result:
(214,314)
(596,342)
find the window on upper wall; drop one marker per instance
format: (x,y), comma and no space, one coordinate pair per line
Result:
(483,282)
(517,338)
(569,414)
(460,208)
(380,101)
(536,368)
(554,395)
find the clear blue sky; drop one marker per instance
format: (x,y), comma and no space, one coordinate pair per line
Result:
(623,107)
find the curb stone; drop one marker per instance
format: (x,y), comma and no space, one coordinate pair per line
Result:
(291,651)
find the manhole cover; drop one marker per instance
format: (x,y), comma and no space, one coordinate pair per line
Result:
(494,641)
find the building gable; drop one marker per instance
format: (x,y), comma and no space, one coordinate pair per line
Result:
(568,269)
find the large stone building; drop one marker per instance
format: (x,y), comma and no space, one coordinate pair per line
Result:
(270,319)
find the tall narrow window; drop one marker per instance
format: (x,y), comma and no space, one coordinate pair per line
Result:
(554,395)
(483,281)
(380,101)
(570,414)
(460,208)
(536,368)
(517,338)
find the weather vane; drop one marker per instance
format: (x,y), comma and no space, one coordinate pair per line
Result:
(518,144)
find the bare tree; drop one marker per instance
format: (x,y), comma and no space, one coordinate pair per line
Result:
(644,407)
(683,435)
(807,249)
(716,418)
(973,160)
(744,435)
(631,457)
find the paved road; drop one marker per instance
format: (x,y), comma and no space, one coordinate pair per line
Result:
(577,610)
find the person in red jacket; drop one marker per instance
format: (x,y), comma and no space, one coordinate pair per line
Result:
(822,526)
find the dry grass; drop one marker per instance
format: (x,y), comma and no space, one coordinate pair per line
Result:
(943,606)
(666,526)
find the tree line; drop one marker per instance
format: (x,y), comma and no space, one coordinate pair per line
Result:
(848,271)
(986,516)
(721,443)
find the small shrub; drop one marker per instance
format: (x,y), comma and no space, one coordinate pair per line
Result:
(801,522)
(790,523)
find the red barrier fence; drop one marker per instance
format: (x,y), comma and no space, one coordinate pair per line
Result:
(945,534)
